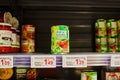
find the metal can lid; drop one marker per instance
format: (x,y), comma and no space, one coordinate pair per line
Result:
(5,24)
(88,71)
(58,26)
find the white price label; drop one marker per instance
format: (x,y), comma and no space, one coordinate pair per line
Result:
(43,61)
(115,61)
(74,61)
(6,61)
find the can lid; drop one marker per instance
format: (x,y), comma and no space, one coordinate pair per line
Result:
(5,24)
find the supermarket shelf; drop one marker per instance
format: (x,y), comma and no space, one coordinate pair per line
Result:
(98,59)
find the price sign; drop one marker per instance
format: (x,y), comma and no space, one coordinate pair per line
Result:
(74,61)
(43,61)
(6,61)
(115,61)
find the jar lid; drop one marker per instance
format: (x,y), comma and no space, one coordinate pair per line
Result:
(5,24)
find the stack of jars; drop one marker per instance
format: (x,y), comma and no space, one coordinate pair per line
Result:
(9,35)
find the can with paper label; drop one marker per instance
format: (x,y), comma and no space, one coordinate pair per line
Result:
(60,39)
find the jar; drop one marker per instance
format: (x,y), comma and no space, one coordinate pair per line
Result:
(5,38)
(18,41)
(13,40)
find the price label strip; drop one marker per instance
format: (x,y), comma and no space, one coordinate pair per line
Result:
(115,61)
(6,61)
(43,61)
(72,61)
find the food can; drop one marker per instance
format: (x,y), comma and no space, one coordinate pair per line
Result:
(5,37)
(25,73)
(101,35)
(112,44)
(100,28)
(28,32)
(111,28)
(118,25)
(89,75)
(28,46)
(112,35)
(60,39)
(6,73)
(28,41)
(101,44)
(112,75)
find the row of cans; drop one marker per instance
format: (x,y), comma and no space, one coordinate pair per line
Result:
(59,39)
(107,34)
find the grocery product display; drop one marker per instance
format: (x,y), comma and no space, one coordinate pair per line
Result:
(32,31)
(107,35)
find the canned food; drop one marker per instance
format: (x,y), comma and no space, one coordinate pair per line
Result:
(28,46)
(101,44)
(112,75)
(111,28)
(118,24)
(6,73)
(89,75)
(25,73)
(100,28)
(60,39)
(112,35)
(112,44)
(5,37)
(28,32)
(28,35)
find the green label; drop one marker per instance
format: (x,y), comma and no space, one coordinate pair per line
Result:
(60,39)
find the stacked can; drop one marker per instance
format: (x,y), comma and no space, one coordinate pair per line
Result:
(118,25)
(28,42)
(112,36)
(101,35)
(89,75)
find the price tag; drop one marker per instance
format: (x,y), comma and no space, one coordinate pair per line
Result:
(6,61)
(43,61)
(74,61)
(115,61)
